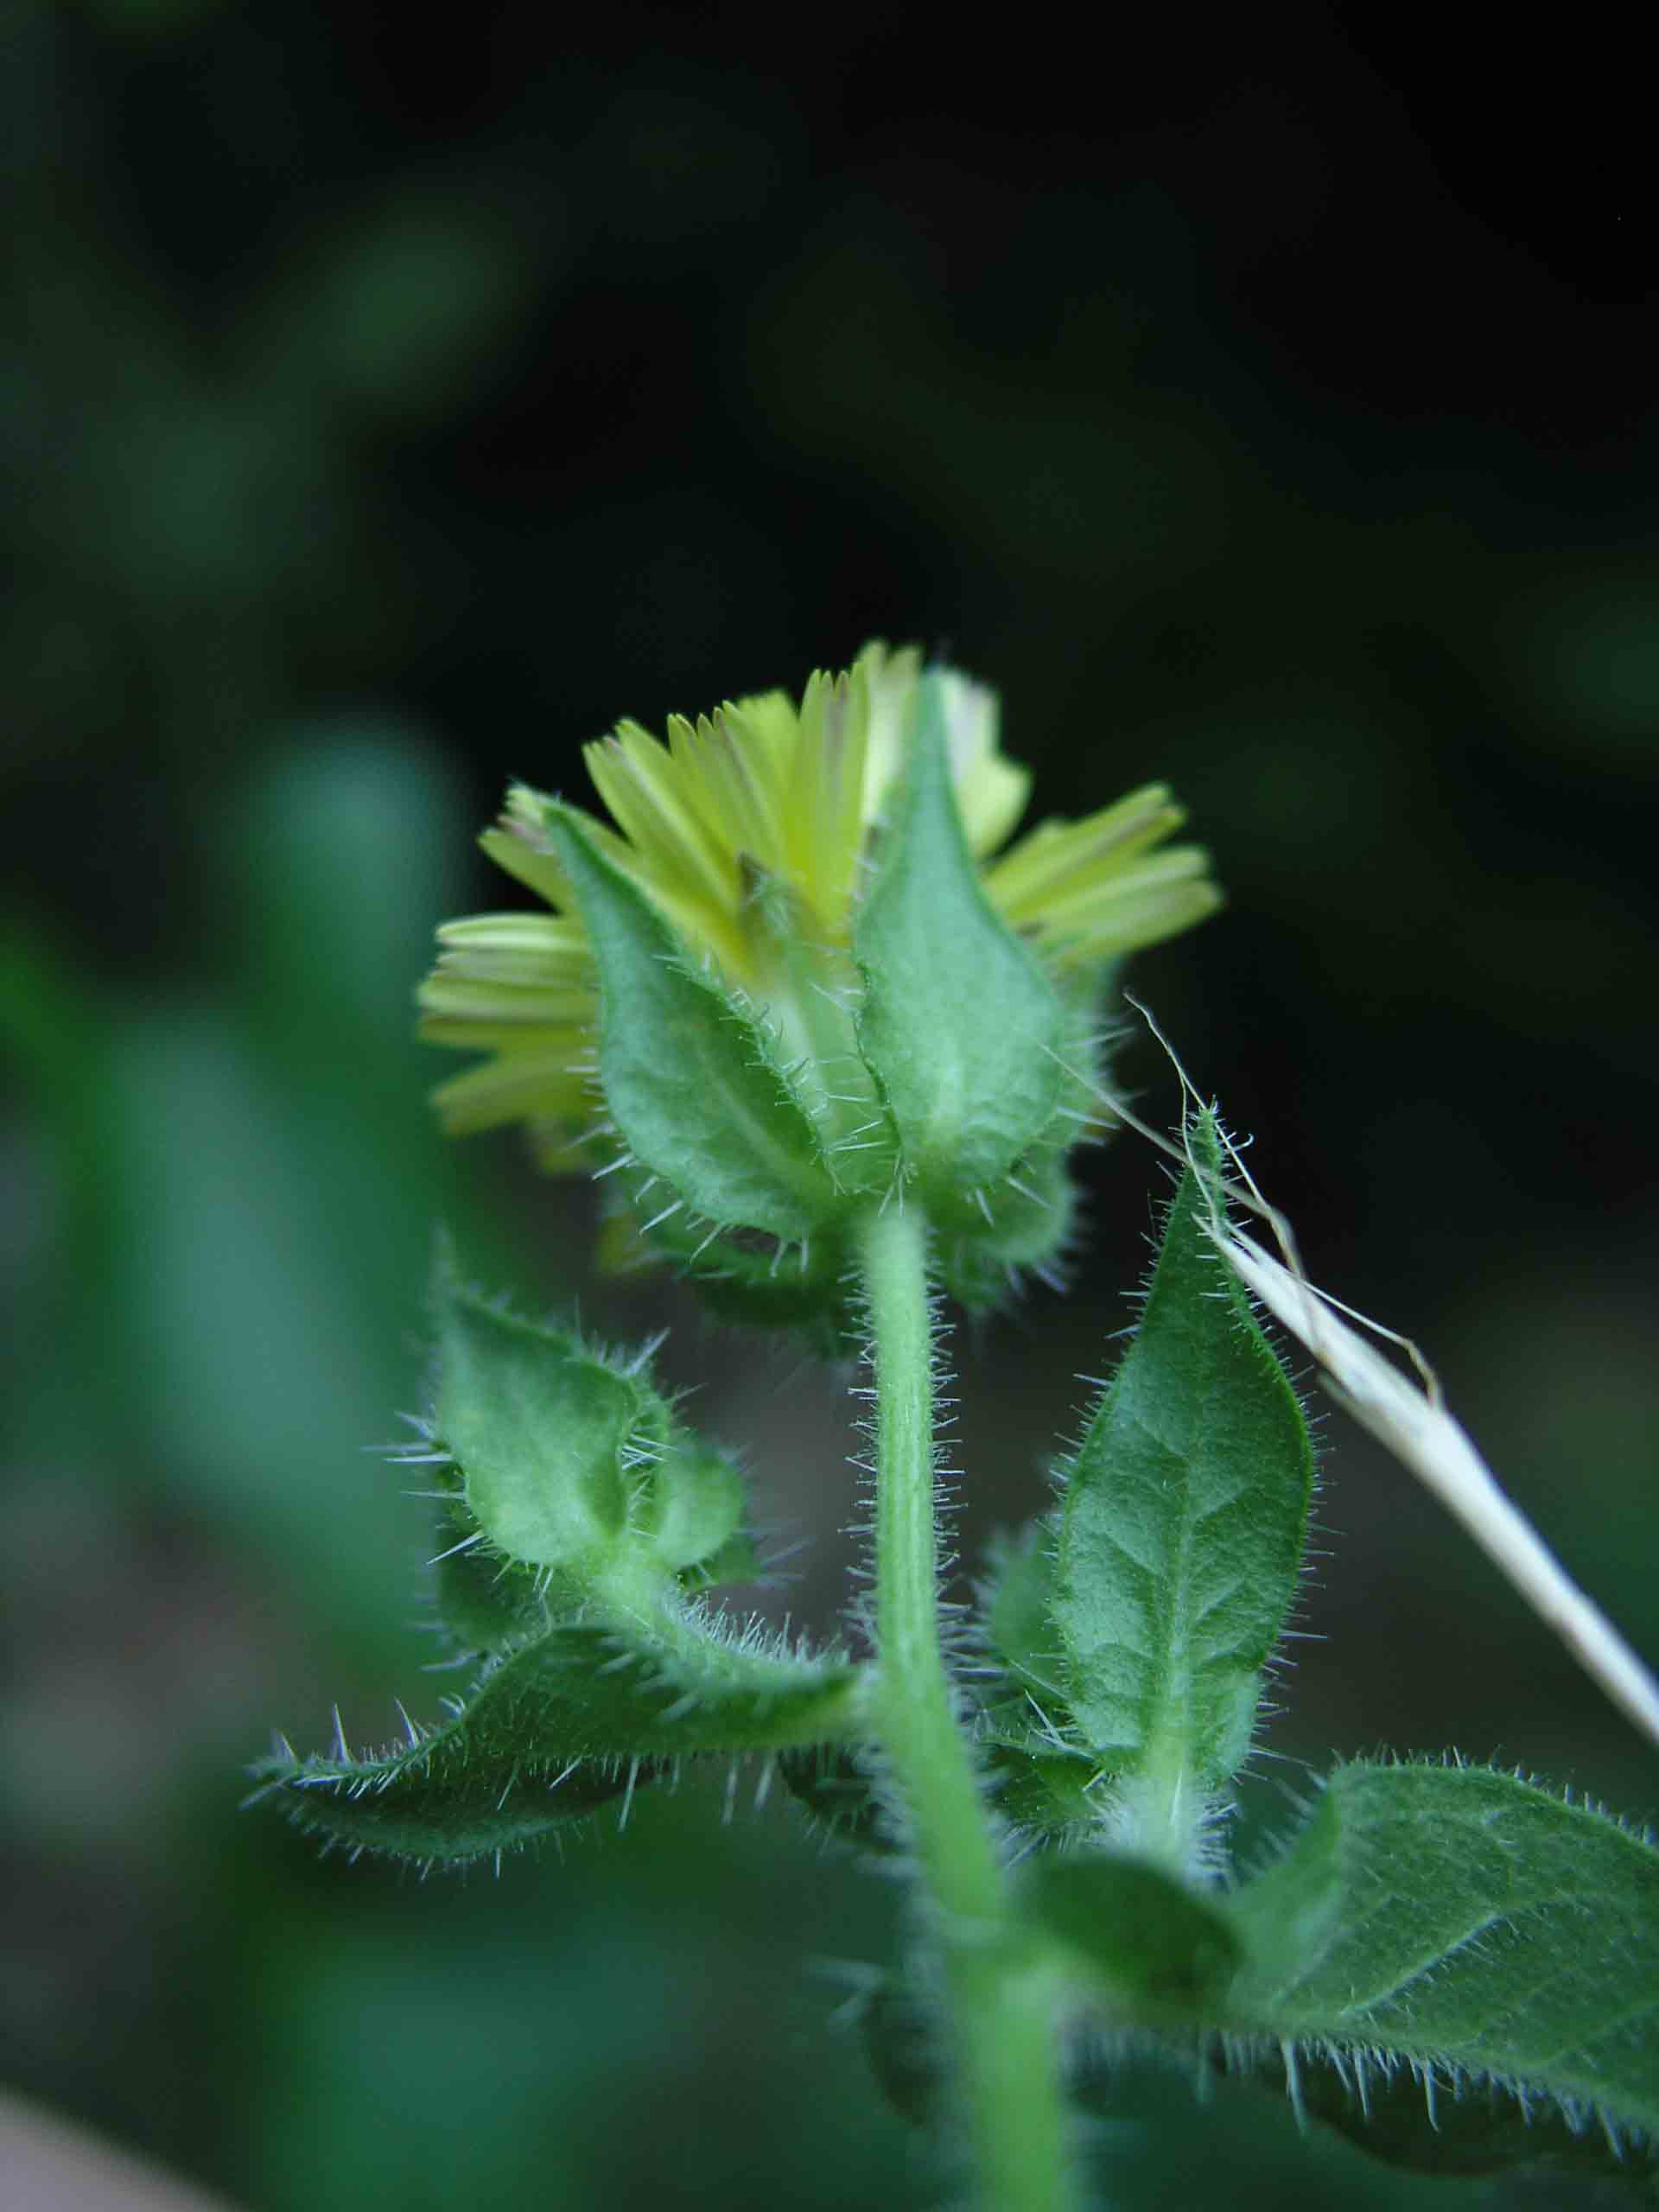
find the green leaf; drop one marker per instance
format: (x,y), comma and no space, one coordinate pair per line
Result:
(1479,2130)
(811,989)
(738,1559)
(1151,1947)
(557,1458)
(537,1425)
(548,1730)
(483,1602)
(1017,1600)
(1182,1526)
(692,1503)
(688,1078)
(443,1798)
(1468,1923)
(960,1025)
(1040,1779)
(1041,1791)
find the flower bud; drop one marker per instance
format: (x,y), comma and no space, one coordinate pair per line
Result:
(790,984)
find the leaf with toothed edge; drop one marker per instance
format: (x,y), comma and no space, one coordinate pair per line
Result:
(1182,1524)
(690,1078)
(1468,1923)
(960,1025)
(547,1731)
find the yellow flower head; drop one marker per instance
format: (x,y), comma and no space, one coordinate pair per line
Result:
(749,831)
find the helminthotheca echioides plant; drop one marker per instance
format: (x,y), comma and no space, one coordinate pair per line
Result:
(828,1038)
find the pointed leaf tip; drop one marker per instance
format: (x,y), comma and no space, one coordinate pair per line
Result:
(1184,1519)
(690,1077)
(558,1726)
(960,1025)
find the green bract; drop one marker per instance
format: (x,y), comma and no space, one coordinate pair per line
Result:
(959,1025)
(688,1074)
(933,1067)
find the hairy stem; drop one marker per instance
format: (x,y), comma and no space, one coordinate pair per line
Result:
(1001,2024)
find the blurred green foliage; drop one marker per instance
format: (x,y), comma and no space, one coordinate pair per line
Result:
(385,415)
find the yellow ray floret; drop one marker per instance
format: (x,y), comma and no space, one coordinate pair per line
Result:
(767,789)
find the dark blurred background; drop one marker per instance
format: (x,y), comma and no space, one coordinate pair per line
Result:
(389,404)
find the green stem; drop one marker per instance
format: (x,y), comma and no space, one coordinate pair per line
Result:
(1001,2018)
